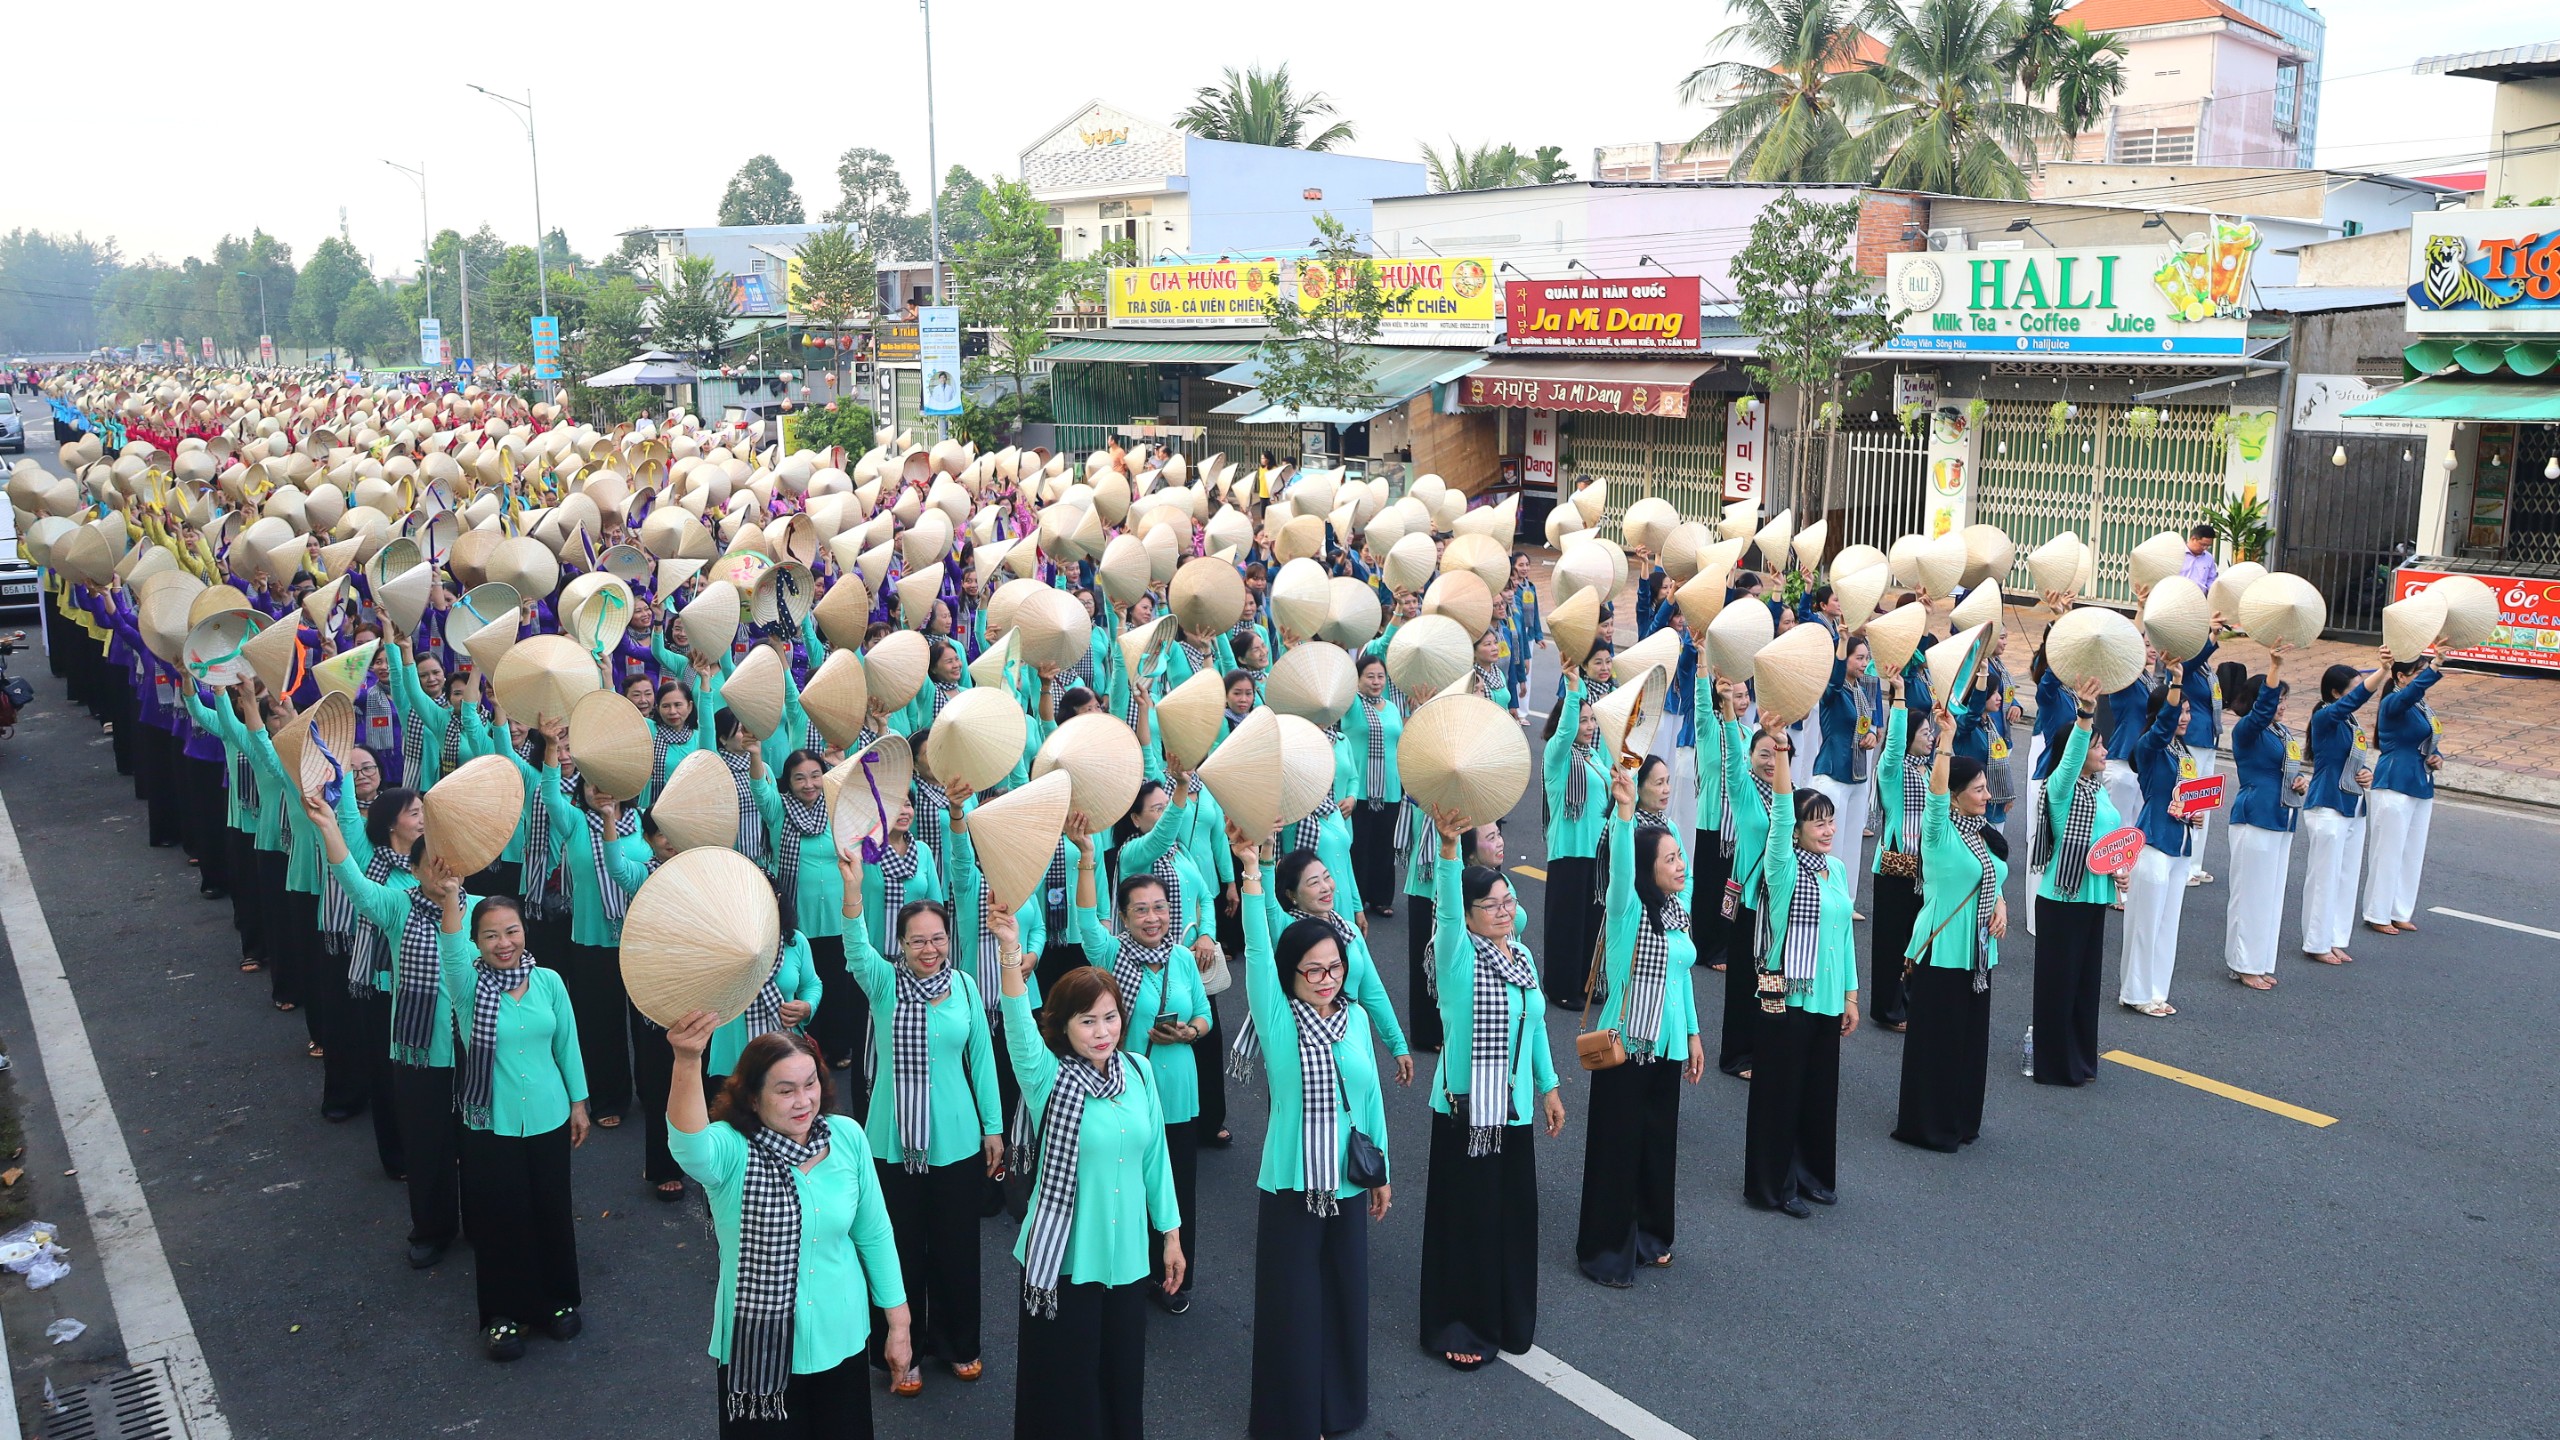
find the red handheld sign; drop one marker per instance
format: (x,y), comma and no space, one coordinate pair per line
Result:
(2115,852)
(2197,796)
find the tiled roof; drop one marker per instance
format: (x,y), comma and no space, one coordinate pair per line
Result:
(2098,15)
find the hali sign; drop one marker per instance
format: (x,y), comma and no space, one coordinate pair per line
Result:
(2130,299)
(1225,293)
(1649,314)
(2477,272)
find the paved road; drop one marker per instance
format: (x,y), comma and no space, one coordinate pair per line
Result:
(2139,1257)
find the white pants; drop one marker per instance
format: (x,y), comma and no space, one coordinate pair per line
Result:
(2123,789)
(1848,842)
(2259,859)
(2396,855)
(1684,795)
(2030,798)
(2332,868)
(2195,846)
(2154,898)
(1807,739)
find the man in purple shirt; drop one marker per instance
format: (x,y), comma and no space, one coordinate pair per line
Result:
(2199,566)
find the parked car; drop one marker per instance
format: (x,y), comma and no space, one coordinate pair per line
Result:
(13,426)
(19,587)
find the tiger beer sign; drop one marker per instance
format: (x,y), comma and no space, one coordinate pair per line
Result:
(2485,272)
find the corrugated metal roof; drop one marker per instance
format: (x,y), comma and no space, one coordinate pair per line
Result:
(2514,58)
(2314,299)
(1171,347)
(1396,374)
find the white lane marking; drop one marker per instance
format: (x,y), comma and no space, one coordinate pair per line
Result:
(1615,1410)
(149,1311)
(2494,920)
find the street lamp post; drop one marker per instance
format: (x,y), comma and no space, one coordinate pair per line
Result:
(426,260)
(264,329)
(541,271)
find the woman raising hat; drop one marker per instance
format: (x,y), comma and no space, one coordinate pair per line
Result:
(804,1236)
(2273,786)
(1577,781)
(2404,792)
(2333,816)
(1808,1006)
(1964,862)
(2072,900)
(935,1127)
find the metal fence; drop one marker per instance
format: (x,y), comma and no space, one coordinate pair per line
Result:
(2345,527)
(2097,478)
(1680,460)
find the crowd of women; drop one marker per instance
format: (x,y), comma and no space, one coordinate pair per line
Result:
(1009,764)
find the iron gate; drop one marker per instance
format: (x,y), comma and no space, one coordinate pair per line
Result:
(1879,492)
(2096,478)
(1680,460)
(2344,527)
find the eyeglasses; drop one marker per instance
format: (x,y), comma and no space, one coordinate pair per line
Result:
(1495,904)
(1311,974)
(1145,909)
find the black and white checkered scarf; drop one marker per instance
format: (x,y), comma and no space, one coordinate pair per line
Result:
(413,746)
(1319,1082)
(2068,858)
(1802,951)
(609,891)
(911,1062)
(1489,680)
(476,1085)
(1310,831)
(545,896)
(768,1289)
(803,821)
(366,952)
(416,982)
(943,690)
(1501,967)
(1053,1206)
(931,803)
(751,841)
(897,867)
(1247,1046)
(1648,977)
(1131,969)
(1652,820)
(1373,769)
(662,740)
(1915,801)
(990,961)
(1577,778)
(763,1015)
(1986,895)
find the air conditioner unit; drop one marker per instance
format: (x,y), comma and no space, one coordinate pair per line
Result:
(1947,238)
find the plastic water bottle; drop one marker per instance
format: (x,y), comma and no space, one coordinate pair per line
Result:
(2027,1058)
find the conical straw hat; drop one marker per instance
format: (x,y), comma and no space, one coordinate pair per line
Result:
(612,744)
(1576,624)
(2470,611)
(1893,636)
(1208,596)
(214,600)
(698,805)
(916,594)
(2283,609)
(1772,540)
(543,677)
(1429,652)
(711,620)
(1630,714)
(1100,754)
(2231,586)
(1123,572)
(1139,647)
(1487,558)
(1593,501)
(1791,672)
(213,648)
(630,564)
(163,620)
(2054,566)
(2092,642)
(403,597)
(1989,554)
(1245,775)
(328,734)
(1163,546)
(754,690)
(1301,597)
(863,792)
(781,598)
(896,669)
(838,698)
(1461,596)
(1649,522)
(144,561)
(1952,663)
(1465,755)
(527,564)
(344,672)
(701,934)
(1854,558)
(672,576)
(1980,606)
(1858,592)
(1306,768)
(979,737)
(1411,562)
(1701,597)
(995,663)
(1941,565)
(1188,717)
(1662,648)
(1004,605)
(2410,626)
(275,654)
(1016,835)
(1737,635)
(2156,559)
(336,557)
(1302,538)
(1738,520)
(1053,630)
(322,603)
(1351,615)
(1681,547)
(595,610)
(1808,545)
(2176,618)
(1315,681)
(472,813)
(844,612)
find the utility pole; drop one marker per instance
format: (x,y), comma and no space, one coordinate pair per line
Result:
(264,329)
(462,267)
(426,257)
(932,164)
(541,269)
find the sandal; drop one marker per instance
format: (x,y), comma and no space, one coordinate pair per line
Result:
(1462,1361)
(670,1191)
(608,1122)
(317,1053)
(2381,929)
(2254,982)
(284,1007)
(909,1385)
(2157,1009)
(251,967)
(968,1370)
(2323,957)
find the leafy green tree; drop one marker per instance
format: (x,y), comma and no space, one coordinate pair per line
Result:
(2034,44)
(1313,355)
(1788,105)
(51,289)
(334,268)
(558,253)
(1945,123)
(614,326)
(837,280)
(841,423)
(244,266)
(1009,277)
(1260,107)
(1547,167)
(872,195)
(368,326)
(2087,77)
(634,256)
(1804,296)
(1088,281)
(962,221)
(761,194)
(693,315)
(1487,167)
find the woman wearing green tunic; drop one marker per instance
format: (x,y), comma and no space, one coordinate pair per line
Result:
(429,745)
(1159,986)
(784,1004)
(1964,862)
(1791,1138)
(935,1125)
(804,856)
(1101,1186)
(804,1238)
(1371,731)
(1577,788)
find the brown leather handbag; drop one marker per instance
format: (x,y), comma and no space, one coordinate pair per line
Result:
(1596,1049)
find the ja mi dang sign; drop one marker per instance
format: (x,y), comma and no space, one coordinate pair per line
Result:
(2134,299)
(1648,314)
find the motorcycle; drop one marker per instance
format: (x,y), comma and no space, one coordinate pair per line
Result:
(15,692)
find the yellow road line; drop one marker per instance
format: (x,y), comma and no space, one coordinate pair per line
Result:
(2211,1086)
(1532,871)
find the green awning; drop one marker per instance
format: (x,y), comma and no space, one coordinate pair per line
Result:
(1396,373)
(2446,398)
(2483,355)
(1117,350)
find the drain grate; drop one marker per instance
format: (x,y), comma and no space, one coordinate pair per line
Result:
(140,1404)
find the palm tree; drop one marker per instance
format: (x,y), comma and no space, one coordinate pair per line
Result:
(2087,77)
(1260,107)
(2036,41)
(1788,107)
(1487,167)
(1946,124)
(1547,167)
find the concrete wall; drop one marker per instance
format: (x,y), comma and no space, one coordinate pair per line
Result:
(2373,258)
(2351,342)
(1252,198)
(1690,229)
(2525,114)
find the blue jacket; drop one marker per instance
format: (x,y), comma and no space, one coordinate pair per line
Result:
(2128,715)
(2204,713)
(2403,728)
(1840,758)
(2333,740)
(2057,710)
(2258,745)
(2156,760)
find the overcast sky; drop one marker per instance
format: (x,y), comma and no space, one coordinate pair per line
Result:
(193,124)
